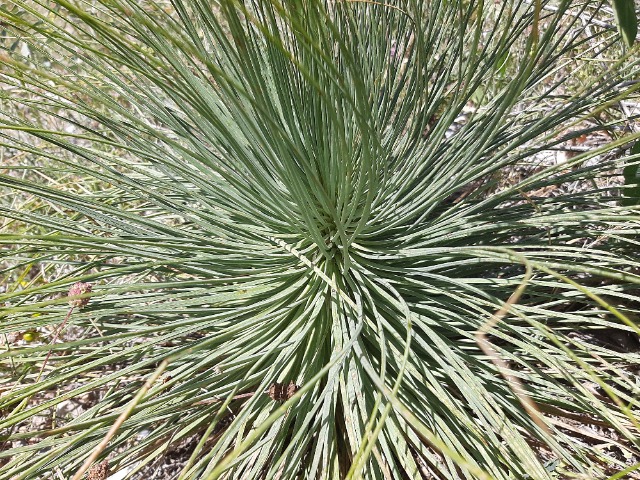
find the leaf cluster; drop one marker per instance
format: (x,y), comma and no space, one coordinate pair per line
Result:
(284,193)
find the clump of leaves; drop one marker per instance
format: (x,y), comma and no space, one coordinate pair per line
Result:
(286,231)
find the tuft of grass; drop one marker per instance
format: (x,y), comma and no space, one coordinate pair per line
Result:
(300,243)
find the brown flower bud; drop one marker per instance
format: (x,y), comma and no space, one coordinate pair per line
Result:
(281,392)
(79,288)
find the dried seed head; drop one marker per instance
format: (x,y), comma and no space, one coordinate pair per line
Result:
(281,392)
(99,471)
(79,288)
(292,388)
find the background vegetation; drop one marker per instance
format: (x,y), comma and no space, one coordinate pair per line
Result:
(318,240)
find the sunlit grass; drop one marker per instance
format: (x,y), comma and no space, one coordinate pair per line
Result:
(298,220)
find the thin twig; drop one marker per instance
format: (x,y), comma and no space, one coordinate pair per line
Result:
(218,400)
(483,342)
(55,338)
(121,419)
(78,297)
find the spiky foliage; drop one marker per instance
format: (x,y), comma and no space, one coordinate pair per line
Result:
(280,224)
